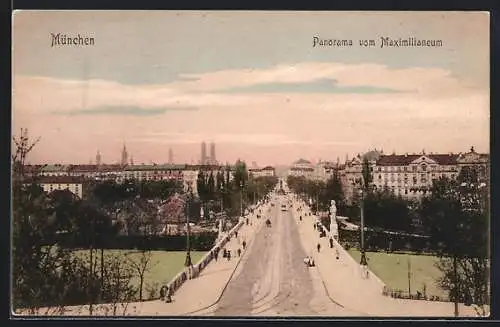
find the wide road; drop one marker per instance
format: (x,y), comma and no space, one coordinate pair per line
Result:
(272,279)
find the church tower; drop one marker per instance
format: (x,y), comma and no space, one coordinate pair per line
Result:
(98,158)
(124,156)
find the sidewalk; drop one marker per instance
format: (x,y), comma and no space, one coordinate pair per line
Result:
(345,284)
(197,296)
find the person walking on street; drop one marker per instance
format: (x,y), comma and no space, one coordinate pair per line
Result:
(331,242)
(337,253)
(163,292)
(239,252)
(318,247)
(236,234)
(244,245)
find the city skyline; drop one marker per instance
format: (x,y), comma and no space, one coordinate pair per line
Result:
(262,94)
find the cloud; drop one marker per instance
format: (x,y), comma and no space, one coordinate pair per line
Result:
(318,86)
(257,139)
(121,110)
(435,81)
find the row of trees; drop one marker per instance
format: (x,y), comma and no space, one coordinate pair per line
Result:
(222,192)
(52,276)
(47,274)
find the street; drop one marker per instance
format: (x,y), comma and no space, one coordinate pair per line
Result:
(272,278)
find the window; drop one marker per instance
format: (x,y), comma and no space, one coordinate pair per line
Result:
(379,176)
(414,180)
(424,167)
(414,168)
(405,168)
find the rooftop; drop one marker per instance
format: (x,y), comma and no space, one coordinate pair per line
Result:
(60,180)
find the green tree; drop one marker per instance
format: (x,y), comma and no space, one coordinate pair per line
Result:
(211,187)
(201,186)
(367,174)
(456,218)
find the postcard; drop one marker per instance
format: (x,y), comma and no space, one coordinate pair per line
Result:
(250,164)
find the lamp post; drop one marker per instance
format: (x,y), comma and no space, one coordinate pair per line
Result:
(362,261)
(409,276)
(241,198)
(188,262)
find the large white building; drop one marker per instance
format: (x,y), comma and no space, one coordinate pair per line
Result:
(267,171)
(71,183)
(302,168)
(410,175)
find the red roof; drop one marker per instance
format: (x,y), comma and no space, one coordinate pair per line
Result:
(82,168)
(406,159)
(60,180)
(268,168)
(445,159)
(397,160)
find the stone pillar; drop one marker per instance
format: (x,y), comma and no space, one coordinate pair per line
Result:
(334,232)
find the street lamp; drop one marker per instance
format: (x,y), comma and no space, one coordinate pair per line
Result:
(241,198)
(188,262)
(362,261)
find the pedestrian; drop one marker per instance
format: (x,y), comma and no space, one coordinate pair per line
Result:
(337,253)
(318,247)
(239,252)
(163,292)
(224,253)
(244,245)
(300,218)
(169,293)
(236,234)
(247,221)
(331,242)
(228,255)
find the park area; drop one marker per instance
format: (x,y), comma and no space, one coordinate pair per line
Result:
(163,266)
(392,269)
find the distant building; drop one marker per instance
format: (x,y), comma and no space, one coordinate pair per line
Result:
(411,175)
(124,158)
(302,168)
(98,158)
(71,183)
(170,156)
(267,171)
(212,152)
(203,159)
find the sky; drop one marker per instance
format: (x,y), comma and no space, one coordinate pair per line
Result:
(252,82)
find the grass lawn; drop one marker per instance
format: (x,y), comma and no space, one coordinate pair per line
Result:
(392,269)
(164,265)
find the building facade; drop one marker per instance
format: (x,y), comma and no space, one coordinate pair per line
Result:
(411,175)
(302,168)
(267,171)
(71,183)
